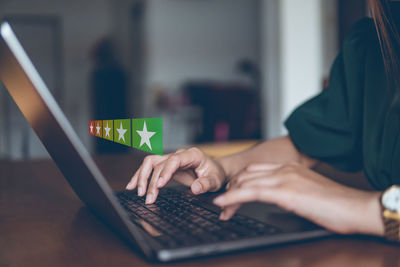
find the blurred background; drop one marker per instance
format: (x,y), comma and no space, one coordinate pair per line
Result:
(215,70)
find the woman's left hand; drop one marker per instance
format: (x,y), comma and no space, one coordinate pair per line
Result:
(301,190)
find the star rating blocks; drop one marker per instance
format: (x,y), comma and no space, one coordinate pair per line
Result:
(144,134)
(147,135)
(122,132)
(91,127)
(108,132)
(98,129)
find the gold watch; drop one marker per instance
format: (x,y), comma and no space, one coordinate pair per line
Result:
(390,202)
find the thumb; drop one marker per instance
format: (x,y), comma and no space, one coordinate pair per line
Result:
(204,184)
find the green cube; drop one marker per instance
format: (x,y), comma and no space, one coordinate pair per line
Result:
(108,131)
(147,134)
(122,132)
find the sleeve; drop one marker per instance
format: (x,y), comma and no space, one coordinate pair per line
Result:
(328,127)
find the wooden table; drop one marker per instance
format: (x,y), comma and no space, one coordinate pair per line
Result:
(43,223)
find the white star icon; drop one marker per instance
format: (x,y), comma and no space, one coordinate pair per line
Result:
(98,128)
(121,133)
(107,129)
(145,136)
(91,128)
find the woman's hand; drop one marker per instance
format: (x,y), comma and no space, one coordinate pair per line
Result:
(296,188)
(188,166)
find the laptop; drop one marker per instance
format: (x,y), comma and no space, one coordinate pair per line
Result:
(179,225)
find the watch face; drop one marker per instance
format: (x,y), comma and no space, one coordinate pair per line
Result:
(391,199)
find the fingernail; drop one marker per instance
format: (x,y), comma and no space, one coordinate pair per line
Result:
(140,191)
(219,201)
(197,188)
(150,198)
(160,182)
(128,186)
(223,216)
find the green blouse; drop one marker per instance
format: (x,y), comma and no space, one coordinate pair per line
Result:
(350,124)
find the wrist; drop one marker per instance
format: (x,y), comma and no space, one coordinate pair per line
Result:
(371,215)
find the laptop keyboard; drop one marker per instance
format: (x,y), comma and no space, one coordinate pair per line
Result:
(181,219)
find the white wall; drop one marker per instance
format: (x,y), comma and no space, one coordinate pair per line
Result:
(199,39)
(270,67)
(301,50)
(297,57)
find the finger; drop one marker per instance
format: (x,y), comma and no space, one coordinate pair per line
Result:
(152,191)
(205,184)
(171,165)
(263,166)
(133,182)
(260,181)
(245,176)
(185,177)
(146,169)
(247,194)
(190,158)
(228,212)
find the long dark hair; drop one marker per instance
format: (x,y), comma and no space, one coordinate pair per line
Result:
(389,39)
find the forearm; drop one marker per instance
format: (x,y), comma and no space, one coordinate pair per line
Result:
(278,150)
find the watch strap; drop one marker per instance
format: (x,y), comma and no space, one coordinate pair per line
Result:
(392,229)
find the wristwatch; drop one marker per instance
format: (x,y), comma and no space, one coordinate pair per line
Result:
(390,201)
